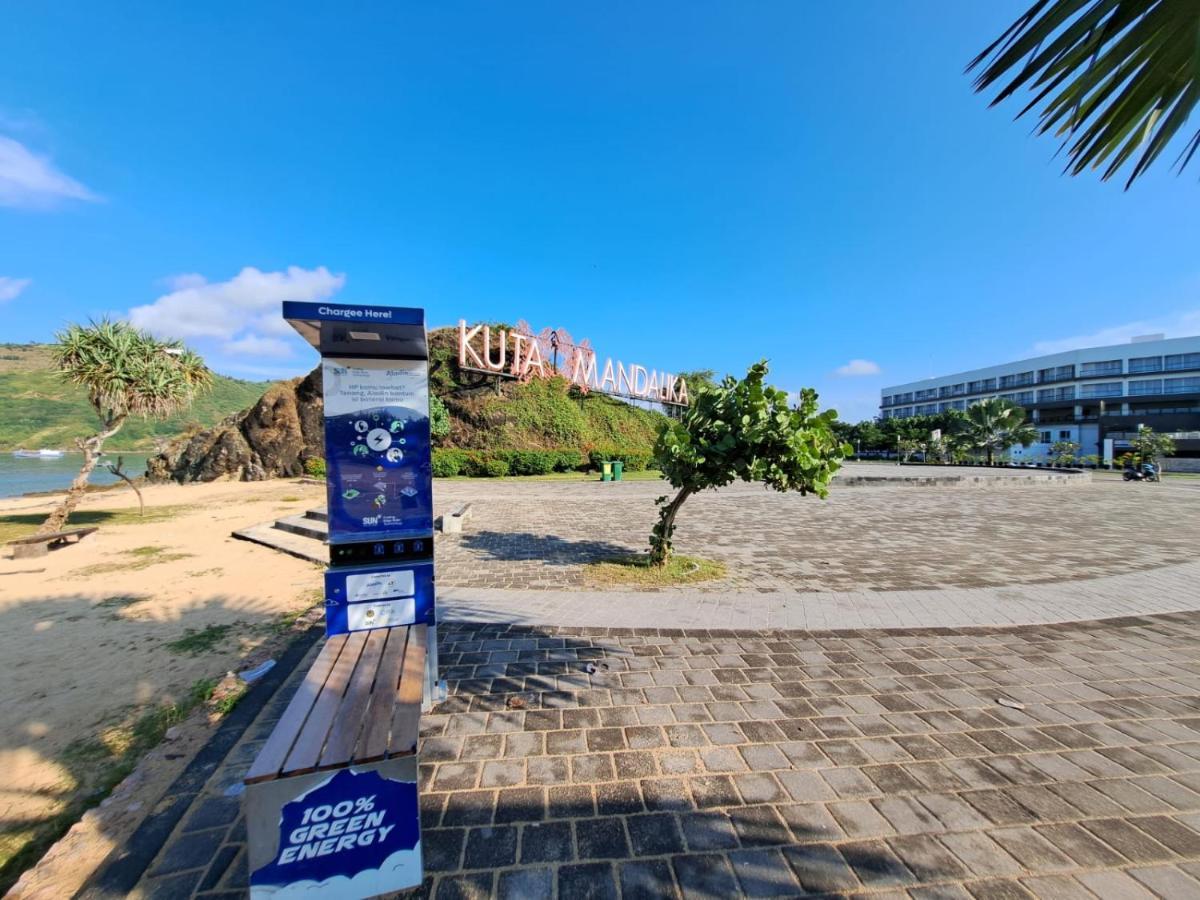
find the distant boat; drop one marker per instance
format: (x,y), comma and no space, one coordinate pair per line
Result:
(38,454)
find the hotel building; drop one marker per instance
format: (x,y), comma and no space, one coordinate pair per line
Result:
(1085,396)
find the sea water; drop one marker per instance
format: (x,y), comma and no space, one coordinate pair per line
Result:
(23,476)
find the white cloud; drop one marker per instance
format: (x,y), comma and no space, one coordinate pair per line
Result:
(199,308)
(1180,324)
(11,287)
(27,179)
(857,367)
(256,345)
(242,312)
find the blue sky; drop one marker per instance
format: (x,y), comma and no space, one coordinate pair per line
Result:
(686,184)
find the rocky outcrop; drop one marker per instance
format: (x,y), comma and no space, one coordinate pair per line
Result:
(272,439)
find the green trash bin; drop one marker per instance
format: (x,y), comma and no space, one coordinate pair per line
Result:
(606,470)
(618,466)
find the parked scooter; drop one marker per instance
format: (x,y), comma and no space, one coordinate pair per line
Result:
(1144,472)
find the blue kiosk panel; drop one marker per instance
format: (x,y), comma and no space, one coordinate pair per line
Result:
(377,452)
(359,598)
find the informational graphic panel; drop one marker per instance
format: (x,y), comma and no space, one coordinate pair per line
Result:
(377,449)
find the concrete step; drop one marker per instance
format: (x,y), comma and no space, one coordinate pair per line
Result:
(316,529)
(285,542)
(320,514)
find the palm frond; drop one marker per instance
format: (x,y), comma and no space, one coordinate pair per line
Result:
(128,372)
(1116,80)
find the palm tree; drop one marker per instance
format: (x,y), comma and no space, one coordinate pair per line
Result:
(1115,76)
(126,373)
(995,424)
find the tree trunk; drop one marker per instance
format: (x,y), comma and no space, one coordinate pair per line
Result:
(91,456)
(666,523)
(116,470)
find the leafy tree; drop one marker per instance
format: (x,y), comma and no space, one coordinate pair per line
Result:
(126,373)
(1150,446)
(697,379)
(744,429)
(1062,453)
(993,425)
(1115,77)
(439,417)
(867,435)
(906,447)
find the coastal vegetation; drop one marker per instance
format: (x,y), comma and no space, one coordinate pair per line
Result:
(127,373)
(1116,80)
(39,409)
(744,429)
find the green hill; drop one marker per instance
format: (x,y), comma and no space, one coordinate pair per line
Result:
(542,414)
(39,409)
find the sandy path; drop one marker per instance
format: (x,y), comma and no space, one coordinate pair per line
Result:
(84,649)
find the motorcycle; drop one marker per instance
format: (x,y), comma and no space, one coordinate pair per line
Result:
(1145,472)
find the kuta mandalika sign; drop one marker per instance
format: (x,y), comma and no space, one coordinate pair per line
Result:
(518,353)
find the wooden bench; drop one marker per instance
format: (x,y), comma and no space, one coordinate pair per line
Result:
(356,714)
(41,544)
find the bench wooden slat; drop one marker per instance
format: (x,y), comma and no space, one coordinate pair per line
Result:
(76,533)
(307,749)
(274,753)
(347,725)
(374,743)
(407,715)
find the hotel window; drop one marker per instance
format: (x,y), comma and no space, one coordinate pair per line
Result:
(1045,437)
(1181,385)
(1018,380)
(958,390)
(903,398)
(1024,397)
(978,387)
(929,394)
(944,391)
(1148,386)
(1056,373)
(1139,364)
(1051,395)
(1064,435)
(1178,361)
(1104,389)
(1107,367)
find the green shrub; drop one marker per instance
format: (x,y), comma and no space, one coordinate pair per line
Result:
(528,462)
(439,418)
(567,460)
(495,467)
(634,460)
(314,466)
(448,463)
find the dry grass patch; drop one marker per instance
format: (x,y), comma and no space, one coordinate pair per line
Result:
(636,570)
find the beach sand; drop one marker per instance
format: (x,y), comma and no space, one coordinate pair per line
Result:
(89,635)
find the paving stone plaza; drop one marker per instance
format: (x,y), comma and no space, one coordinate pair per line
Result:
(536,536)
(1054,759)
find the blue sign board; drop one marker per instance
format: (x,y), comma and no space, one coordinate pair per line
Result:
(355,834)
(362,597)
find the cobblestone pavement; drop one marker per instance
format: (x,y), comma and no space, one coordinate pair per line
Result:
(1049,761)
(539,535)
(1169,589)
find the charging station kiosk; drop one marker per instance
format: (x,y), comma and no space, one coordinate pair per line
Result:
(332,797)
(379,479)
